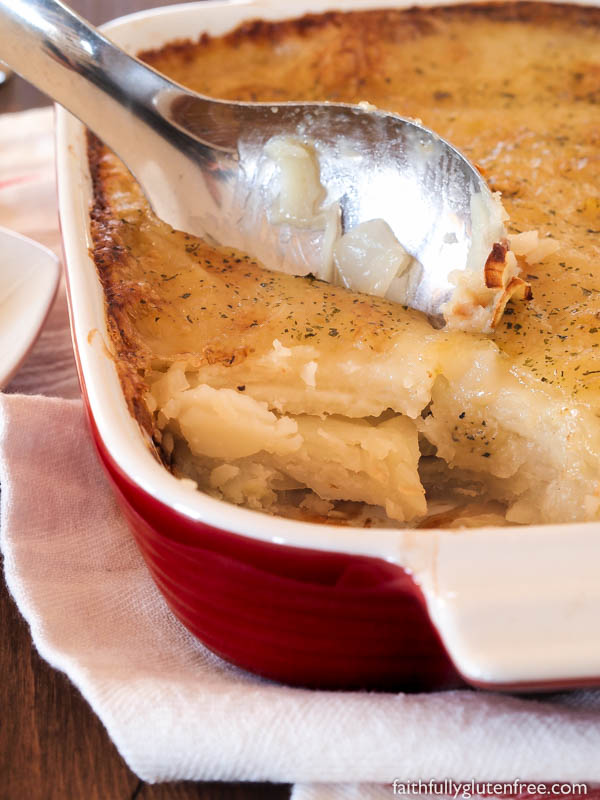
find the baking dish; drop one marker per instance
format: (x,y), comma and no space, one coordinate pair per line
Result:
(313,604)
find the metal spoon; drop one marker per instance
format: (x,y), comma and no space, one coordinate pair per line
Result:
(201,161)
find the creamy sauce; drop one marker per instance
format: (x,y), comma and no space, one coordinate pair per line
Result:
(517,90)
(329,384)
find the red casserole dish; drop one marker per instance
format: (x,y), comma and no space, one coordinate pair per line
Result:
(312,604)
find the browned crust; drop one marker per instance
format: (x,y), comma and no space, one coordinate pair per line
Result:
(414,21)
(517,288)
(495,266)
(108,254)
(261,31)
(495,278)
(495,274)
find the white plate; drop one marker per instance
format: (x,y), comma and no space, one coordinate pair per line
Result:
(29,276)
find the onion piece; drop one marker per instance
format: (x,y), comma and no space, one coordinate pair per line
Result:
(369,257)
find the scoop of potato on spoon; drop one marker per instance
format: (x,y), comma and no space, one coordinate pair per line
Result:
(351,194)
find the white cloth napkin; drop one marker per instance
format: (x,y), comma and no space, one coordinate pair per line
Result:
(173,709)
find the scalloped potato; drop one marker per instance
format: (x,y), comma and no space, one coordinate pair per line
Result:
(293,396)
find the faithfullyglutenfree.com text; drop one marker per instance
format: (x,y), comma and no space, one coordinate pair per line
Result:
(471,789)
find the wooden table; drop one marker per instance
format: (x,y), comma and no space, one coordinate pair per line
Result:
(52,746)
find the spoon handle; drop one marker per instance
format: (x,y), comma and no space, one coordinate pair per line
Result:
(64,56)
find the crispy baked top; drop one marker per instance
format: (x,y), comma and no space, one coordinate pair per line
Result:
(516,86)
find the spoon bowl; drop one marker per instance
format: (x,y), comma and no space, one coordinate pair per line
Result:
(203,166)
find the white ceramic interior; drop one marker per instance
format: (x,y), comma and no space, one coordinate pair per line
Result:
(29,275)
(512,605)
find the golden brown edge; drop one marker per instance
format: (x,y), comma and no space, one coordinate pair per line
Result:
(421,20)
(106,254)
